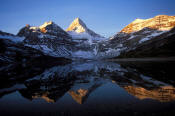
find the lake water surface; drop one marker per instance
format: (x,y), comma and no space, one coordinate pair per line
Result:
(94,88)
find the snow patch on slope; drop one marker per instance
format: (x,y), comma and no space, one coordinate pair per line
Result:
(47,36)
(151,36)
(61,51)
(143,40)
(15,39)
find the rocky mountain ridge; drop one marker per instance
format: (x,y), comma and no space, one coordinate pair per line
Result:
(48,38)
(160,22)
(136,34)
(78,41)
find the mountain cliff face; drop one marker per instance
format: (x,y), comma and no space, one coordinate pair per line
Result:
(160,22)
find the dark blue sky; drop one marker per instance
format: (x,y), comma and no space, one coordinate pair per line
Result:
(105,17)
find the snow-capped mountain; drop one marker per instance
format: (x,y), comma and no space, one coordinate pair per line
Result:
(80,32)
(86,39)
(81,42)
(157,46)
(157,24)
(54,41)
(137,33)
(48,38)
(47,30)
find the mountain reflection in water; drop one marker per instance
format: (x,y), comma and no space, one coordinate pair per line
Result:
(115,84)
(162,94)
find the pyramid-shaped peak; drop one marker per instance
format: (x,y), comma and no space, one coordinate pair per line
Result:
(78,20)
(49,22)
(77,25)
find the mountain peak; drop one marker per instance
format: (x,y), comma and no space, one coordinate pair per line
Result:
(159,22)
(79,21)
(46,24)
(77,25)
(78,29)
(47,30)
(138,20)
